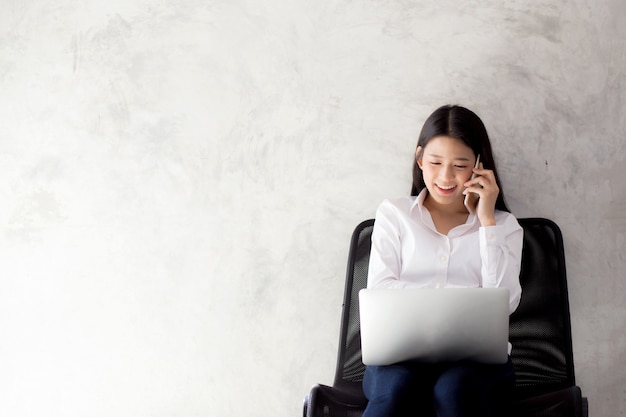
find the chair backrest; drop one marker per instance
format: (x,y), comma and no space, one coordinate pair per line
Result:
(540,329)
(350,369)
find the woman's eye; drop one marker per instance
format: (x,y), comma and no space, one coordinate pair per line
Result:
(461,166)
(435,163)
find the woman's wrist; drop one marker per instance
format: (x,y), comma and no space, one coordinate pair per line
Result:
(491,221)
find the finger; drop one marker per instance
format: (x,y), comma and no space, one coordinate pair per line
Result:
(473,187)
(477,182)
(482,181)
(483,172)
(483,177)
(473,190)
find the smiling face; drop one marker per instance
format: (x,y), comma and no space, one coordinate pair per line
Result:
(446,164)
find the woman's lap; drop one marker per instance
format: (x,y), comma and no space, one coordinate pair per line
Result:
(450,389)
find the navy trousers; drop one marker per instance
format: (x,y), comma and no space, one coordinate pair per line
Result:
(443,390)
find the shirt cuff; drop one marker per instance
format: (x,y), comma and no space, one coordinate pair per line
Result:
(492,235)
(492,239)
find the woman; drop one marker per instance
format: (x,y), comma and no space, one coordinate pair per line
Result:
(434,240)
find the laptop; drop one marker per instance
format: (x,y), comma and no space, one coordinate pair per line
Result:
(434,325)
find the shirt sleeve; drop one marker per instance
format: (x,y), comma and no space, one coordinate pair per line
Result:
(501,256)
(385,263)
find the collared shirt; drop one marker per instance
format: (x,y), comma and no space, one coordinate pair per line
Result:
(408,251)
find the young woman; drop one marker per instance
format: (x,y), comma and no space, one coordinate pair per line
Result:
(432,240)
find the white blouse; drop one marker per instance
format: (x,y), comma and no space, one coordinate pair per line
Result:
(408,251)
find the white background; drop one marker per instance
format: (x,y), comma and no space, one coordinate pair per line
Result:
(179,181)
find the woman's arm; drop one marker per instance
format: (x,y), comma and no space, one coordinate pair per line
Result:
(385,263)
(501,256)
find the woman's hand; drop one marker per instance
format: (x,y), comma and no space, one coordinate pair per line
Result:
(485,186)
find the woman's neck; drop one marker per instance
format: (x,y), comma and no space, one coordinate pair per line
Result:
(446,216)
(453,209)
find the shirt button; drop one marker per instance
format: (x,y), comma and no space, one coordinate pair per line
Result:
(442,258)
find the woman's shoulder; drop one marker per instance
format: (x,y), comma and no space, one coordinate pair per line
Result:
(398,204)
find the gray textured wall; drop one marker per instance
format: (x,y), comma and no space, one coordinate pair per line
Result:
(180,178)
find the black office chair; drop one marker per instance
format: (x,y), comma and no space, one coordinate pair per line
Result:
(540,332)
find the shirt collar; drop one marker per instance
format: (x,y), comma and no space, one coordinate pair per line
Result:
(419,205)
(419,201)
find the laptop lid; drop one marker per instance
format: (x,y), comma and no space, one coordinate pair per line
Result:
(434,325)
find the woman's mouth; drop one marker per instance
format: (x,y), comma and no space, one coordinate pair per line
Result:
(446,189)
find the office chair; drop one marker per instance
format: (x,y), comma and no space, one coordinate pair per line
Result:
(539,330)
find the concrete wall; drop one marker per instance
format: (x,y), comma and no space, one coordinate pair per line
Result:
(180,179)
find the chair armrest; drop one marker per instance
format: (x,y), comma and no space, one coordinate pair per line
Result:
(564,402)
(330,401)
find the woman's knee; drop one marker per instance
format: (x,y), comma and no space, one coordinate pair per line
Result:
(456,384)
(467,388)
(383,381)
(390,390)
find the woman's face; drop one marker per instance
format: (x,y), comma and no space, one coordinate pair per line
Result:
(446,164)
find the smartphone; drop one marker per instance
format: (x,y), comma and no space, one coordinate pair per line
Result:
(471,199)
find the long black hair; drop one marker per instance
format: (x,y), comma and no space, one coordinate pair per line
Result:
(459,123)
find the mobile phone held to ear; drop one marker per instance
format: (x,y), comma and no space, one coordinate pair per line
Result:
(471,199)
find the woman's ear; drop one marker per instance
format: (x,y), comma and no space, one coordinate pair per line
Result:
(418,156)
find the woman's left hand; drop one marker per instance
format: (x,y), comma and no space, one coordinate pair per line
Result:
(486,187)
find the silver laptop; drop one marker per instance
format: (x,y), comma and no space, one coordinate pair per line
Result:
(434,325)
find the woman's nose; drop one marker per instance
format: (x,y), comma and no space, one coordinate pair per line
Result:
(448,172)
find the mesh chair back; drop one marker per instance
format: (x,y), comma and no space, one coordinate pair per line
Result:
(350,369)
(539,329)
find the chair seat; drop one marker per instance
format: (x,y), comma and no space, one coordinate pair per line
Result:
(325,401)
